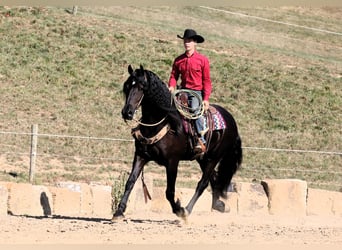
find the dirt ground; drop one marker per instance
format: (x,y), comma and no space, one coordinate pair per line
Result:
(166,228)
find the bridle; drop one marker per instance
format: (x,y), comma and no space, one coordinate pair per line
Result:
(136,132)
(148,124)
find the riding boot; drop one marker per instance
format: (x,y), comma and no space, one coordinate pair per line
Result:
(200,147)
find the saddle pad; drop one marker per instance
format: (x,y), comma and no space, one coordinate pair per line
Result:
(218,121)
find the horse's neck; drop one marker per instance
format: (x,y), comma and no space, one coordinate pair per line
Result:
(152,114)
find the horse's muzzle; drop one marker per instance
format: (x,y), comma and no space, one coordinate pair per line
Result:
(127,112)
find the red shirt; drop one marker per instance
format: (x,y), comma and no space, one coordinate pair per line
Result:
(194,71)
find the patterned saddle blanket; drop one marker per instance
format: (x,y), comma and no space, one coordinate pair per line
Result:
(218,121)
(212,116)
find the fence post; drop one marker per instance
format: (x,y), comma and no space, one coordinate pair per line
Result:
(74,10)
(33,154)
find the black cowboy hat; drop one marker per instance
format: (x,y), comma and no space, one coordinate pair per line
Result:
(191,34)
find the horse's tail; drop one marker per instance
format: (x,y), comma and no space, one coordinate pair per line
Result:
(227,167)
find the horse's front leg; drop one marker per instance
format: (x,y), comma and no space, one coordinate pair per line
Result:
(171,175)
(137,167)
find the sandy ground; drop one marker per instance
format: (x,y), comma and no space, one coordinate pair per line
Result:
(153,228)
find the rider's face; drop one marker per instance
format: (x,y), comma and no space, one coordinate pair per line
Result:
(189,44)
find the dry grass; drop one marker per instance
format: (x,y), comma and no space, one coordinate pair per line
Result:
(65,73)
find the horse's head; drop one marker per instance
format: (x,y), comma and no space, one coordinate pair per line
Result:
(144,88)
(134,91)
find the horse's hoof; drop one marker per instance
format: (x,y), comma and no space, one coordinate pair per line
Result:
(117,217)
(219,206)
(183,213)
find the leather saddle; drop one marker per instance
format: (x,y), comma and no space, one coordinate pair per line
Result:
(189,124)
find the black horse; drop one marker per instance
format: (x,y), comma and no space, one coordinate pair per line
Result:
(160,137)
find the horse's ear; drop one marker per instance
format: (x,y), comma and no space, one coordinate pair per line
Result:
(141,68)
(130,69)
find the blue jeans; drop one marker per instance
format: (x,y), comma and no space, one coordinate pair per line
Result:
(200,122)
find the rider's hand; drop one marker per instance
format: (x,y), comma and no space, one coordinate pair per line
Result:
(206,105)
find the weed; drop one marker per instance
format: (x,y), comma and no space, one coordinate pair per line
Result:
(118,189)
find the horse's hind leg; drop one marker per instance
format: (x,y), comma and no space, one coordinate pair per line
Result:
(217,204)
(207,169)
(223,175)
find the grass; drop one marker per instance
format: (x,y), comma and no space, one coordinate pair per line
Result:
(65,73)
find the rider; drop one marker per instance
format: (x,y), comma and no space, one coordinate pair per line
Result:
(194,69)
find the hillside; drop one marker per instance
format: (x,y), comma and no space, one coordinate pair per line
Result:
(63,72)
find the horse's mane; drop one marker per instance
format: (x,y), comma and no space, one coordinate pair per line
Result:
(157,91)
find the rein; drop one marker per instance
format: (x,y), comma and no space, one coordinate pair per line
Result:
(150,124)
(137,133)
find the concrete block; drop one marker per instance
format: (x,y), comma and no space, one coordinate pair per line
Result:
(102,201)
(66,202)
(43,194)
(323,202)
(86,197)
(286,197)
(251,198)
(159,202)
(72,186)
(27,199)
(22,200)
(320,202)
(136,201)
(87,206)
(3,200)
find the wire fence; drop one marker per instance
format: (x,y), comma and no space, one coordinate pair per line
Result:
(272,21)
(102,159)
